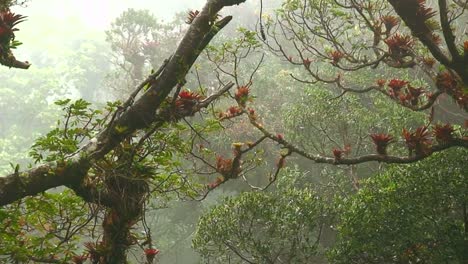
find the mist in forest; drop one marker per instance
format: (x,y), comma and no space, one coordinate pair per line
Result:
(66,43)
(341,140)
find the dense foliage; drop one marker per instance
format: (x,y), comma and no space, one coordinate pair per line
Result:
(408,214)
(366,100)
(263,227)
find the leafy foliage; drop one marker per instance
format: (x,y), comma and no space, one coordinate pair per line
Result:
(80,121)
(263,227)
(53,231)
(408,214)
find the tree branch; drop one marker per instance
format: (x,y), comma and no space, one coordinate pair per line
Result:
(448,33)
(140,115)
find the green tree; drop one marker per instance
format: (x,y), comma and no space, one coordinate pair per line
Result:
(105,159)
(115,158)
(283,226)
(408,214)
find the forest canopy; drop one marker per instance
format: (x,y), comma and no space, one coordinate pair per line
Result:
(312,131)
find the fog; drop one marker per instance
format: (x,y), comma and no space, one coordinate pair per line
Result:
(59,34)
(51,23)
(313,108)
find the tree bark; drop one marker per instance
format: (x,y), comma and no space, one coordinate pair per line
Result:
(139,115)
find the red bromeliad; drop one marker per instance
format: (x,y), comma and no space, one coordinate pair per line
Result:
(390,22)
(414,94)
(415,13)
(242,95)
(187,99)
(338,153)
(234,110)
(418,142)
(399,46)
(189,95)
(336,56)
(447,82)
(395,87)
(443,133)
(381,142)
(8,21)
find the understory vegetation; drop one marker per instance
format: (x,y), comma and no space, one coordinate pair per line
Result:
(286,131)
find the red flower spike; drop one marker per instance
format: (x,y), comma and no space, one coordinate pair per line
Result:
(187,100)
(399,45)
(337,153)
(443,133)
(189,95)
(306,63)
(381,142)
(381,82)
(151,254)
(336,56)
(280,136)
(418,141)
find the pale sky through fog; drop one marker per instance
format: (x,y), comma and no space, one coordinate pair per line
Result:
(52,23)
(98,14)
